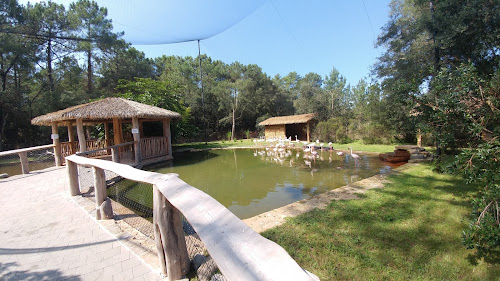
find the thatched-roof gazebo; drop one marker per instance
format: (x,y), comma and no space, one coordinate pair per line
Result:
(292,126)
(115,111)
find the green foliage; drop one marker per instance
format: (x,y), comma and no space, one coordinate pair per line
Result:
(332,130)
(468,107)
(161,94)
(375,134)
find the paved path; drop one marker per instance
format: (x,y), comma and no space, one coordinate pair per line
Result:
(46,235)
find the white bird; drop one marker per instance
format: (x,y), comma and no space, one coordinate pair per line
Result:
(354,156)
(340,153)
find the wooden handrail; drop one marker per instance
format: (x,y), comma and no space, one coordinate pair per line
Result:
(239,251)
(16,151)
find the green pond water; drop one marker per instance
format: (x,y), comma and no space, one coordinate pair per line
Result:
(252,181)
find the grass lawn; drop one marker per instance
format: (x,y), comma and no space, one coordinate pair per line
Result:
(215,144)
(410,230)
(356,146)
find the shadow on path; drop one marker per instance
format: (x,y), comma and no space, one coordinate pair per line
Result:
(8,272)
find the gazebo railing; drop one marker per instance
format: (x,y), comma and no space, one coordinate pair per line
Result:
(120,153)
(153,147)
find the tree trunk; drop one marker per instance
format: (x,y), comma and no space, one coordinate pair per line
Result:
(234,125)
(89,73)
(49,66)
(89,66)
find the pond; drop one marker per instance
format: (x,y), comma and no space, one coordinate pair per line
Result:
(253,181)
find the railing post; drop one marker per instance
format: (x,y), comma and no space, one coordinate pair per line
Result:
(104,209)
(74,185)
(24,162)
(169,237)
(115,156)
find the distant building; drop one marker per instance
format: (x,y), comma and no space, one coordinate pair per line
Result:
(288,126)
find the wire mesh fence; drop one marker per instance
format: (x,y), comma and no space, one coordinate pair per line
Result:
(132,202)
(38,159)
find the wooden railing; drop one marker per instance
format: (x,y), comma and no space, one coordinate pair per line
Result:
(68,148)
(153,147)
(239,252)
(23,155)
(120,153)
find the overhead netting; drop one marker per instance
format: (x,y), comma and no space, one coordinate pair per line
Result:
(172,21)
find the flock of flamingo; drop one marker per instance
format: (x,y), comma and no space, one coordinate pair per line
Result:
(279,153)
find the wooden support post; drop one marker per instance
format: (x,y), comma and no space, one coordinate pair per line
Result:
(104,209)
(141,128)
(308,138)
(74,185)
(57,144)
(71,138)
(107,135)
(24,162)
(81,135)
(169,237)
(117,135)
(166,133)
(137,140)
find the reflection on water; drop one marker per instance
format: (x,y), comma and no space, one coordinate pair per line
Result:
(249,182)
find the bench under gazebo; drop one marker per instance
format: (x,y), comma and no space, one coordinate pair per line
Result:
(111,112)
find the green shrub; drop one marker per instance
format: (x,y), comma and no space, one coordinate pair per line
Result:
(331,130)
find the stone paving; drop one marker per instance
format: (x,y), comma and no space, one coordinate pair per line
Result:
(46,235)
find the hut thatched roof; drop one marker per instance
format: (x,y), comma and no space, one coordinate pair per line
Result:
(291,119)
(105,109)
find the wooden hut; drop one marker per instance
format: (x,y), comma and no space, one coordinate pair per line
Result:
(113,112)
(289,126)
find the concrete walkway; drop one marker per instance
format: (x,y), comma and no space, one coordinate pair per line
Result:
(46,235)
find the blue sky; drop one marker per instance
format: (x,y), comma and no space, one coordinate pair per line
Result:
(303,36)
(278,35)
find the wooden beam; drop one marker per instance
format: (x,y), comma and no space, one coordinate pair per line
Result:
(71,138)
(141,128)
(167,134)
(81,135)
(137,140)
(308,138)
(57,144)
(117,131)
(117,135)
(169,237)
(107,135)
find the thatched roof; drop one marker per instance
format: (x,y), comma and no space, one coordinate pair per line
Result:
(291,119)
(105,109)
